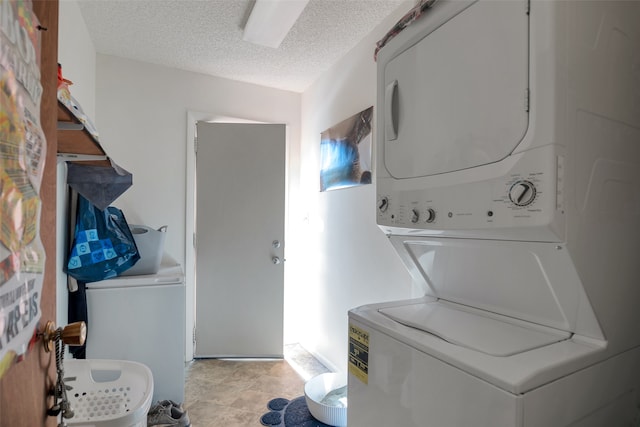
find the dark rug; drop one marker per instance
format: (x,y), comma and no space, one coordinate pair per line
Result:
(289,413)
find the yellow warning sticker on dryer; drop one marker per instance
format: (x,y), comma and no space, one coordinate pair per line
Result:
(359,353)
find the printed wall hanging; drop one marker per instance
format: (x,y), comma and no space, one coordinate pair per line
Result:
(22,155)
(345,152)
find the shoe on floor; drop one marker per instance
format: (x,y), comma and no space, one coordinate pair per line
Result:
(167,416)
(166,404)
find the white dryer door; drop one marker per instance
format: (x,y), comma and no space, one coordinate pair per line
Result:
(458,98)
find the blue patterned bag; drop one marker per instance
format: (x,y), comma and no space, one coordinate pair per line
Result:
(103,245)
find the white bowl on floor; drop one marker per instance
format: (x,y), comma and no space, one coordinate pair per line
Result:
(315,391)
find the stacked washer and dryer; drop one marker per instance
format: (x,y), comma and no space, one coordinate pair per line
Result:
(508,181)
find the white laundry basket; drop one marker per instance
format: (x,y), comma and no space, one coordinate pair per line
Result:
(108,393)
(150,244)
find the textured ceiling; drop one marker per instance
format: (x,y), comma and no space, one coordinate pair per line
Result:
(206,36)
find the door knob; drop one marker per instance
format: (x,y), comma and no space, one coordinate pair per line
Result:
(74,334)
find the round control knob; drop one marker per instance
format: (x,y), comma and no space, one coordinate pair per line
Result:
(415,215)
(522,193)
(431,215)
(383,204)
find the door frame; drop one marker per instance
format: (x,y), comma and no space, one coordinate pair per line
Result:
(193,117)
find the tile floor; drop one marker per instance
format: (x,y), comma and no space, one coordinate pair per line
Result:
(235,393)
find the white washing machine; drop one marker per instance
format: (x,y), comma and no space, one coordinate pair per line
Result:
(508,168)
(142,318)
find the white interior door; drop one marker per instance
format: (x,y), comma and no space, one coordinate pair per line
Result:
(240,179)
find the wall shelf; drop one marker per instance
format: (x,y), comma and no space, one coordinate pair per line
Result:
(75,143)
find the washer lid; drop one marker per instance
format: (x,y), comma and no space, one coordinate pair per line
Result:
(484,332)
(170,273)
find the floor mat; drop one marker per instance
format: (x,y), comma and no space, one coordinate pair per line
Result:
(289,413)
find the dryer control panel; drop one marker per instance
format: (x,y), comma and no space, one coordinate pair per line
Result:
(523,203)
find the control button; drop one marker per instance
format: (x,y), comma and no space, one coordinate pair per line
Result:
(383,204)
(431,215)
(522,193)
(415,215)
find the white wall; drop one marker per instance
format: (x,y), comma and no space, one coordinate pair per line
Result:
(346,261)
(77,56)
(142,120)
(337,258)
